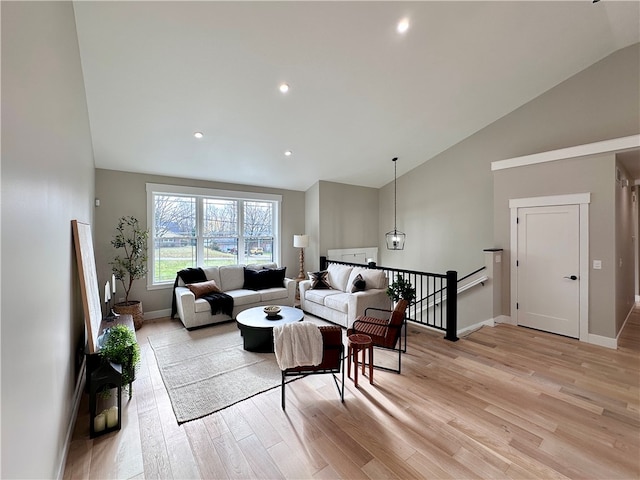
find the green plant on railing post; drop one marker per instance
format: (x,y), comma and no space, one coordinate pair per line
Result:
(120,346)
(401,289)
(132,265)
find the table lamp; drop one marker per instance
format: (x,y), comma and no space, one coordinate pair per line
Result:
(301,242)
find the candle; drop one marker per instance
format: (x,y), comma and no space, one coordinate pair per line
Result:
(113,284)
(106,292)
(112,417)
(99,422)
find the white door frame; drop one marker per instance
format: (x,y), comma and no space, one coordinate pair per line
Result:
(581,199)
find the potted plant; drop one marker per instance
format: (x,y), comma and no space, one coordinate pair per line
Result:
(120,346)
(131,265)
(402,292)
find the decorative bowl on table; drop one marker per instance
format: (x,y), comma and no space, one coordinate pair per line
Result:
(272,310)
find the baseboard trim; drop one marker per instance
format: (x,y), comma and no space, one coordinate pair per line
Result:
(504,319)
(461,332)
(466,330)
(77,398)
(602,341)
(157,314)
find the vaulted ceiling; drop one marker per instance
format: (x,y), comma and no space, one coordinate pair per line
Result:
(359,93)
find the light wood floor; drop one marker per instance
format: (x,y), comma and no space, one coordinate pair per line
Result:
(504,402)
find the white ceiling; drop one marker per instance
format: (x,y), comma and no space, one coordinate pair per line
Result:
(156,72)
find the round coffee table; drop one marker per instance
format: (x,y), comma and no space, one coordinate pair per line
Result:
(257,329)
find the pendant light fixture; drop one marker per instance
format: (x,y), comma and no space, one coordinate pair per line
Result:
(395,238)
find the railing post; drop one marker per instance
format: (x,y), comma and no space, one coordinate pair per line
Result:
(452,306)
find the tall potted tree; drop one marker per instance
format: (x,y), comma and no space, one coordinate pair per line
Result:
(402,293)
(131,264)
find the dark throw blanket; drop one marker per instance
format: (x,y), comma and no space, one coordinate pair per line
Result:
(220,302)
(188,275)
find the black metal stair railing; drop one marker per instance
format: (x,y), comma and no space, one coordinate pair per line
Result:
(436,304)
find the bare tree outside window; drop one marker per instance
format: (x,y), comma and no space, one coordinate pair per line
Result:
(218,235)
(174,235)
(258,229)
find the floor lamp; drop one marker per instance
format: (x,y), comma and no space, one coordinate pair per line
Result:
(301,242)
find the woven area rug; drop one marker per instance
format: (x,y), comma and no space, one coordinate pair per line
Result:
(207,370)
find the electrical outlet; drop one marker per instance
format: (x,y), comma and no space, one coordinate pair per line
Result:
(121,299)
(498,258)
(597,264)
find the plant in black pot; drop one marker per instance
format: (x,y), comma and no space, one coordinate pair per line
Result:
(120,346)
(131,264)
(402,292)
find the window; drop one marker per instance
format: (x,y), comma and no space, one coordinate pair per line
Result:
(196,227)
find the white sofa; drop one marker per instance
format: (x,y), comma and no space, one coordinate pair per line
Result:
(338,305)
(230,279)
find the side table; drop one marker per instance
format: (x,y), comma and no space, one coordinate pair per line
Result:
(356,343)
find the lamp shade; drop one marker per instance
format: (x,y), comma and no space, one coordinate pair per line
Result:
(301,241)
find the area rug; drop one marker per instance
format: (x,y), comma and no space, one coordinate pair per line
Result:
(207,370)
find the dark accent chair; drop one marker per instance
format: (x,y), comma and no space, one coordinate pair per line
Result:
(384,333)
(332,357)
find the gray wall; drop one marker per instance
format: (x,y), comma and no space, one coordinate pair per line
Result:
(47,180)
(446,205)
(123,193)
(339,216)
(348,216)
(312,227)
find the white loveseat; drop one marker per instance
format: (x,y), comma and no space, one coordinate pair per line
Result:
(338,304)
(231,280)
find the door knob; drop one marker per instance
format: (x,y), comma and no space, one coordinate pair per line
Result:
(572,277)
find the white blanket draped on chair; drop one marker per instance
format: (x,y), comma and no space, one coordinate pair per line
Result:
(297,344)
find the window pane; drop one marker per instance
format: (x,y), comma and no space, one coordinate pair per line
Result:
(220,218)
(172,254)
(220,251)
(259,250)
(258,219)
(174,236)
(198,230)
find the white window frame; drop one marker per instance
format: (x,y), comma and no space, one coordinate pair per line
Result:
(157,188)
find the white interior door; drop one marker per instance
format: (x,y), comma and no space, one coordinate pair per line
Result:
(548,269)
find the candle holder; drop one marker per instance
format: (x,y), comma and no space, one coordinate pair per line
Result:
(105,396)
(112,315)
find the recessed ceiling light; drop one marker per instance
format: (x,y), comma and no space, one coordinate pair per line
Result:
(198,134)
(284,88)
(403,25)
(288,153)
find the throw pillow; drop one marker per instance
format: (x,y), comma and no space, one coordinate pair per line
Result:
(275,277)
(320,280)
(203,288)
(253,279)
(266,278)
(358,284)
